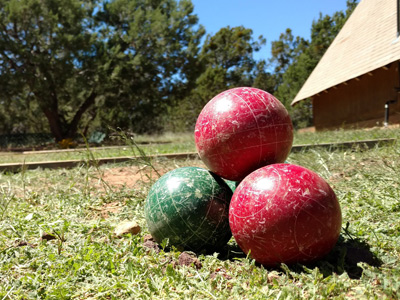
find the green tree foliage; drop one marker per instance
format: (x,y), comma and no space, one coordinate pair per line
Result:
(225,61)
(295,58)
(20,115)
(285,50)
(265,80)
(153,45)
(48,54)
(78,60)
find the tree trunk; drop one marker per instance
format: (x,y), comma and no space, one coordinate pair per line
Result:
(54,123)
(50,109)
(62,131)
(73,126)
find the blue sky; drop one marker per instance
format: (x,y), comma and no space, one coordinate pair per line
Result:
(265,17)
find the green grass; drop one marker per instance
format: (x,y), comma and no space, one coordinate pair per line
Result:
(154,145)
(85,261)
(342,135)
(184,142)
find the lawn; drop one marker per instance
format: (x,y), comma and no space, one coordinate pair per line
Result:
(81,207)
(180,143)
(152,145)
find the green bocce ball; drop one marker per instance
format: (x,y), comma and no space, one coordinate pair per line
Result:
(189,206)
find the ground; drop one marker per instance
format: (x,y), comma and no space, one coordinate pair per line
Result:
(127,177)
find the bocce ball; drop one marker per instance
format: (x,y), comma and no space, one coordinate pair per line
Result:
(232,184)
(285,213)
(241,130)
(190,207)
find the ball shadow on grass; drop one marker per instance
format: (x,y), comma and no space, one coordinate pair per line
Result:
(231,252)
(344,257)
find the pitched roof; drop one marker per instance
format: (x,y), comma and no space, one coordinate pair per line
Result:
(367,41)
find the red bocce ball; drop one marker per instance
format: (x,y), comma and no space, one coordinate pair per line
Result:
(285,213)
(241,130)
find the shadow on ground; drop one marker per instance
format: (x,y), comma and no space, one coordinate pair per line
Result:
(344,257)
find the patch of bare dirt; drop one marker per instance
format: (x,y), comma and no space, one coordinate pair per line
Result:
(128,176)
(150,244)
(189,259)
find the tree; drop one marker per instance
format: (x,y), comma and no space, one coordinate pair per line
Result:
(48,51)
(297,58)
(160,42)
(263,79)
(227,62)
(285,50)
(20,115)
(74,57)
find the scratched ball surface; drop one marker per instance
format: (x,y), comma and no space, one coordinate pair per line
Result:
(190,207)
(241,130)
(285,213)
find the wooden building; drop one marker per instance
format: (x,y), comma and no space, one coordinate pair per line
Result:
(357,82)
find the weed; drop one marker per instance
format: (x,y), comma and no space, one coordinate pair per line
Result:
(92,161)
(137,151)
(6,196)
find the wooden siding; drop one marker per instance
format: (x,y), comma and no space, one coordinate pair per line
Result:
(359,102)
